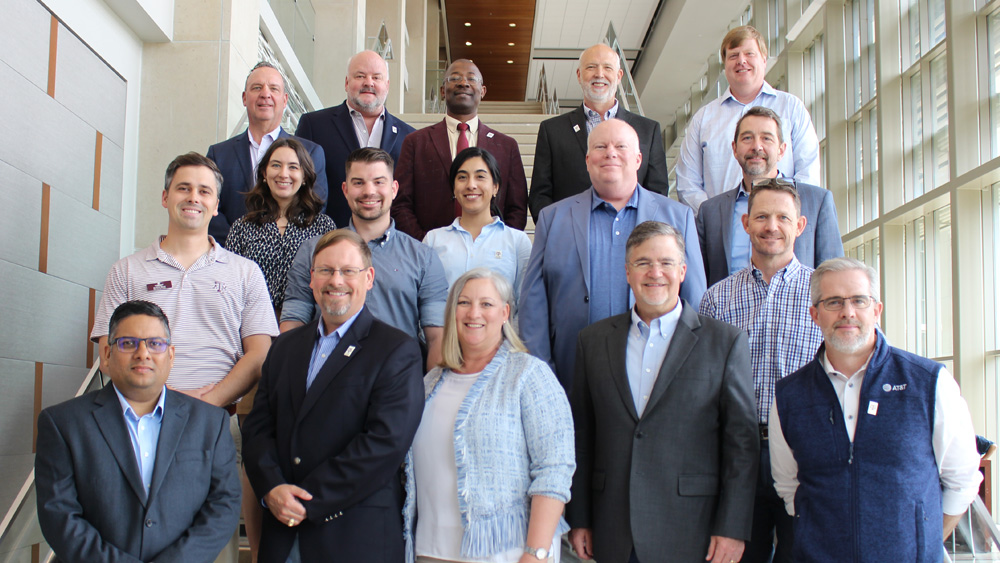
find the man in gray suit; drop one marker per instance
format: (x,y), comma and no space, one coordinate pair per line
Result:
(666,433)
(758,146)
(136,471)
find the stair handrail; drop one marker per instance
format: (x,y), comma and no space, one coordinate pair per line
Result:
(435,78)
(547,95)
(382,43)
(628,97)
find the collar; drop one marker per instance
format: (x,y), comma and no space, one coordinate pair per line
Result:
(829,369)
(453,124)
(765,89)
(356,113)
(127,408)
(456,225)
(382,240)
(341,330)
(156,252)
(596,200)
(592,114)
(273,135)
(662,323)
(790,270)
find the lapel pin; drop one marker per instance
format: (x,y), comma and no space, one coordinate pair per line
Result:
(349,351)
(489,135)
(394,129)
(576,128)
(872,408)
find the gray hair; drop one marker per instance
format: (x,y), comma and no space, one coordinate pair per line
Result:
(649,229)
(266,64)
(451,350)
(843,264)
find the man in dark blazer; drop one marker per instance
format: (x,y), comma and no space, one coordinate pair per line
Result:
(426,200)
(338,404)
(560,169)
(559,295)
(758,146)
(361,121)
(135,471)
(665,421)
(265,96)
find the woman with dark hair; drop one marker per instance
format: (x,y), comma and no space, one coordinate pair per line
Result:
(282,212)
(479,237)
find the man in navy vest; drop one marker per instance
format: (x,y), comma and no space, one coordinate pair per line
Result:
(872,448)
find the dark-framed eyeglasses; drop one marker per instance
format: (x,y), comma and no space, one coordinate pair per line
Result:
(837,303)
(774,183)
(154,344)
(347,273)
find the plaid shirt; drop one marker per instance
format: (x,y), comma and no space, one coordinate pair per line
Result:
(775,316)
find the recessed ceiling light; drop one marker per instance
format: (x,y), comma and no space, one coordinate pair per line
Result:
(468,24)
(512,24)
(510,62)
(511,44)
(468,43)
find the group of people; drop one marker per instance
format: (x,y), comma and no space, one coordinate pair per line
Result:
(653,380)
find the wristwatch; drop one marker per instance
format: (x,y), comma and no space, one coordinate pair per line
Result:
(539,553)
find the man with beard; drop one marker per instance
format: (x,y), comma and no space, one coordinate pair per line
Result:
(336,410)
(758,146)
(560,168)
(410,287)
(361,121)
(769,300)
(872,447)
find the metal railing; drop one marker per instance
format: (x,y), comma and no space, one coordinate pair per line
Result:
(547,95)
(435,78)
(381,43)
(628,97)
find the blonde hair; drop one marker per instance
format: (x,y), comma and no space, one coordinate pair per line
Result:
(451,349)
(740,34)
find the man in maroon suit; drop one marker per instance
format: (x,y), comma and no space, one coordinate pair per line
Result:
(425,200)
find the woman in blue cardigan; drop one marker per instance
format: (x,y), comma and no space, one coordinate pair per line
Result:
(493,459)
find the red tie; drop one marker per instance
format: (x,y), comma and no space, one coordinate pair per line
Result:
(461,145)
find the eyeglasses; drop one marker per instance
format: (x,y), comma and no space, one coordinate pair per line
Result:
(347,273)
(774,183)
(154,344)
(837,303)
(457,78)
(644,266)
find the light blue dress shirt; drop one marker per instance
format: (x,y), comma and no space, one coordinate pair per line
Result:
(646,348)
(145,434)
(739,246)
(707,168)
(593,118)
(324,346)
(609,231)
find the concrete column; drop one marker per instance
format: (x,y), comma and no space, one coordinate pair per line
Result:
(417,16)
(393,13)
(340,33)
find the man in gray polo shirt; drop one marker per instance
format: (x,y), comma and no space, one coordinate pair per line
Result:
(410,287)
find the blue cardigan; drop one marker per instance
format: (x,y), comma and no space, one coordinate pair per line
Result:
(517,410)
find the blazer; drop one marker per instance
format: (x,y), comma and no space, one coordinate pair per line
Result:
(343,440)
(560,168)
(556,290)
(333,129)
(426,201)
(664,482)
(818,242)
(92,505)
(232,156)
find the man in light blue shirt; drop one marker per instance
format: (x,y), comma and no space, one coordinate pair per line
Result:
(706,167)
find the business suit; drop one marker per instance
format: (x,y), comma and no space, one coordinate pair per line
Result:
(333,129)
(818,242)
(91,502)
(426,200)
(662,483)
(232,156)
(556,290)
(560,168)
(343,440)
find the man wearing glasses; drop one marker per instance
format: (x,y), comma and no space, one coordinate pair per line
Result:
(872,447)
(426,200)
(136,471)
(769,300)
(758,146)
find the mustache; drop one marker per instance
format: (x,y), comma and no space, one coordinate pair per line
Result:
(847,322)
(367,90)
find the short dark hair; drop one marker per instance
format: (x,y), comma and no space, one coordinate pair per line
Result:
(137,307)
(780,185)
(333,237)
(759,111)
(305,206)
(368,155)
(468,154)
(266,64)
(192,159)
(649,229)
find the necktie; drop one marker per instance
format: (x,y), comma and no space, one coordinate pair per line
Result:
(461,145)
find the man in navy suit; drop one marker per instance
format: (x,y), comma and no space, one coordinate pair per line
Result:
(758,146)
(136,471)
(361,121)
(574,275)
(265,96)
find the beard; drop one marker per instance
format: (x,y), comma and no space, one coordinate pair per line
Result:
(754,169)
(591,96)
(847,344)
(368,107)
(331,308)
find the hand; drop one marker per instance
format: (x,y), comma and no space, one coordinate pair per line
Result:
(198,393)
(283,502)
(582,540)
(724,550)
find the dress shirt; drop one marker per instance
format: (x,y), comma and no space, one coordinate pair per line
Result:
(957,462)
(366,139)
(609,231)
(453,133)
(325,343)
(593,118)
(775,316)
(257,150)
(646,348)
(145,434)
(739,247)
(706,166)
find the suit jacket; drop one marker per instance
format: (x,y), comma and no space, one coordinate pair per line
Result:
(560,168)
(556,290)
(232,156)
(818,242)
(426,200)
(333,129)
(343,440)
(685,470)
(91,502)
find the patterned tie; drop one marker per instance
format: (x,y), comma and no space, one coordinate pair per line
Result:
(461,145)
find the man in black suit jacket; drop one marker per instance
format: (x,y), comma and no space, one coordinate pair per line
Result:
(361,121)
(560,170)
(336,410)
(265,96)
(666,423)
(96,500)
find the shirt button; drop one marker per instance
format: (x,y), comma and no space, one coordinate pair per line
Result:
(322,355)
(648,370)
(850,417)
(146,454)
(850,385)
(297,460)
(617,233)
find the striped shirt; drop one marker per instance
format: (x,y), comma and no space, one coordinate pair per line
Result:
(212,306)
(776,318)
